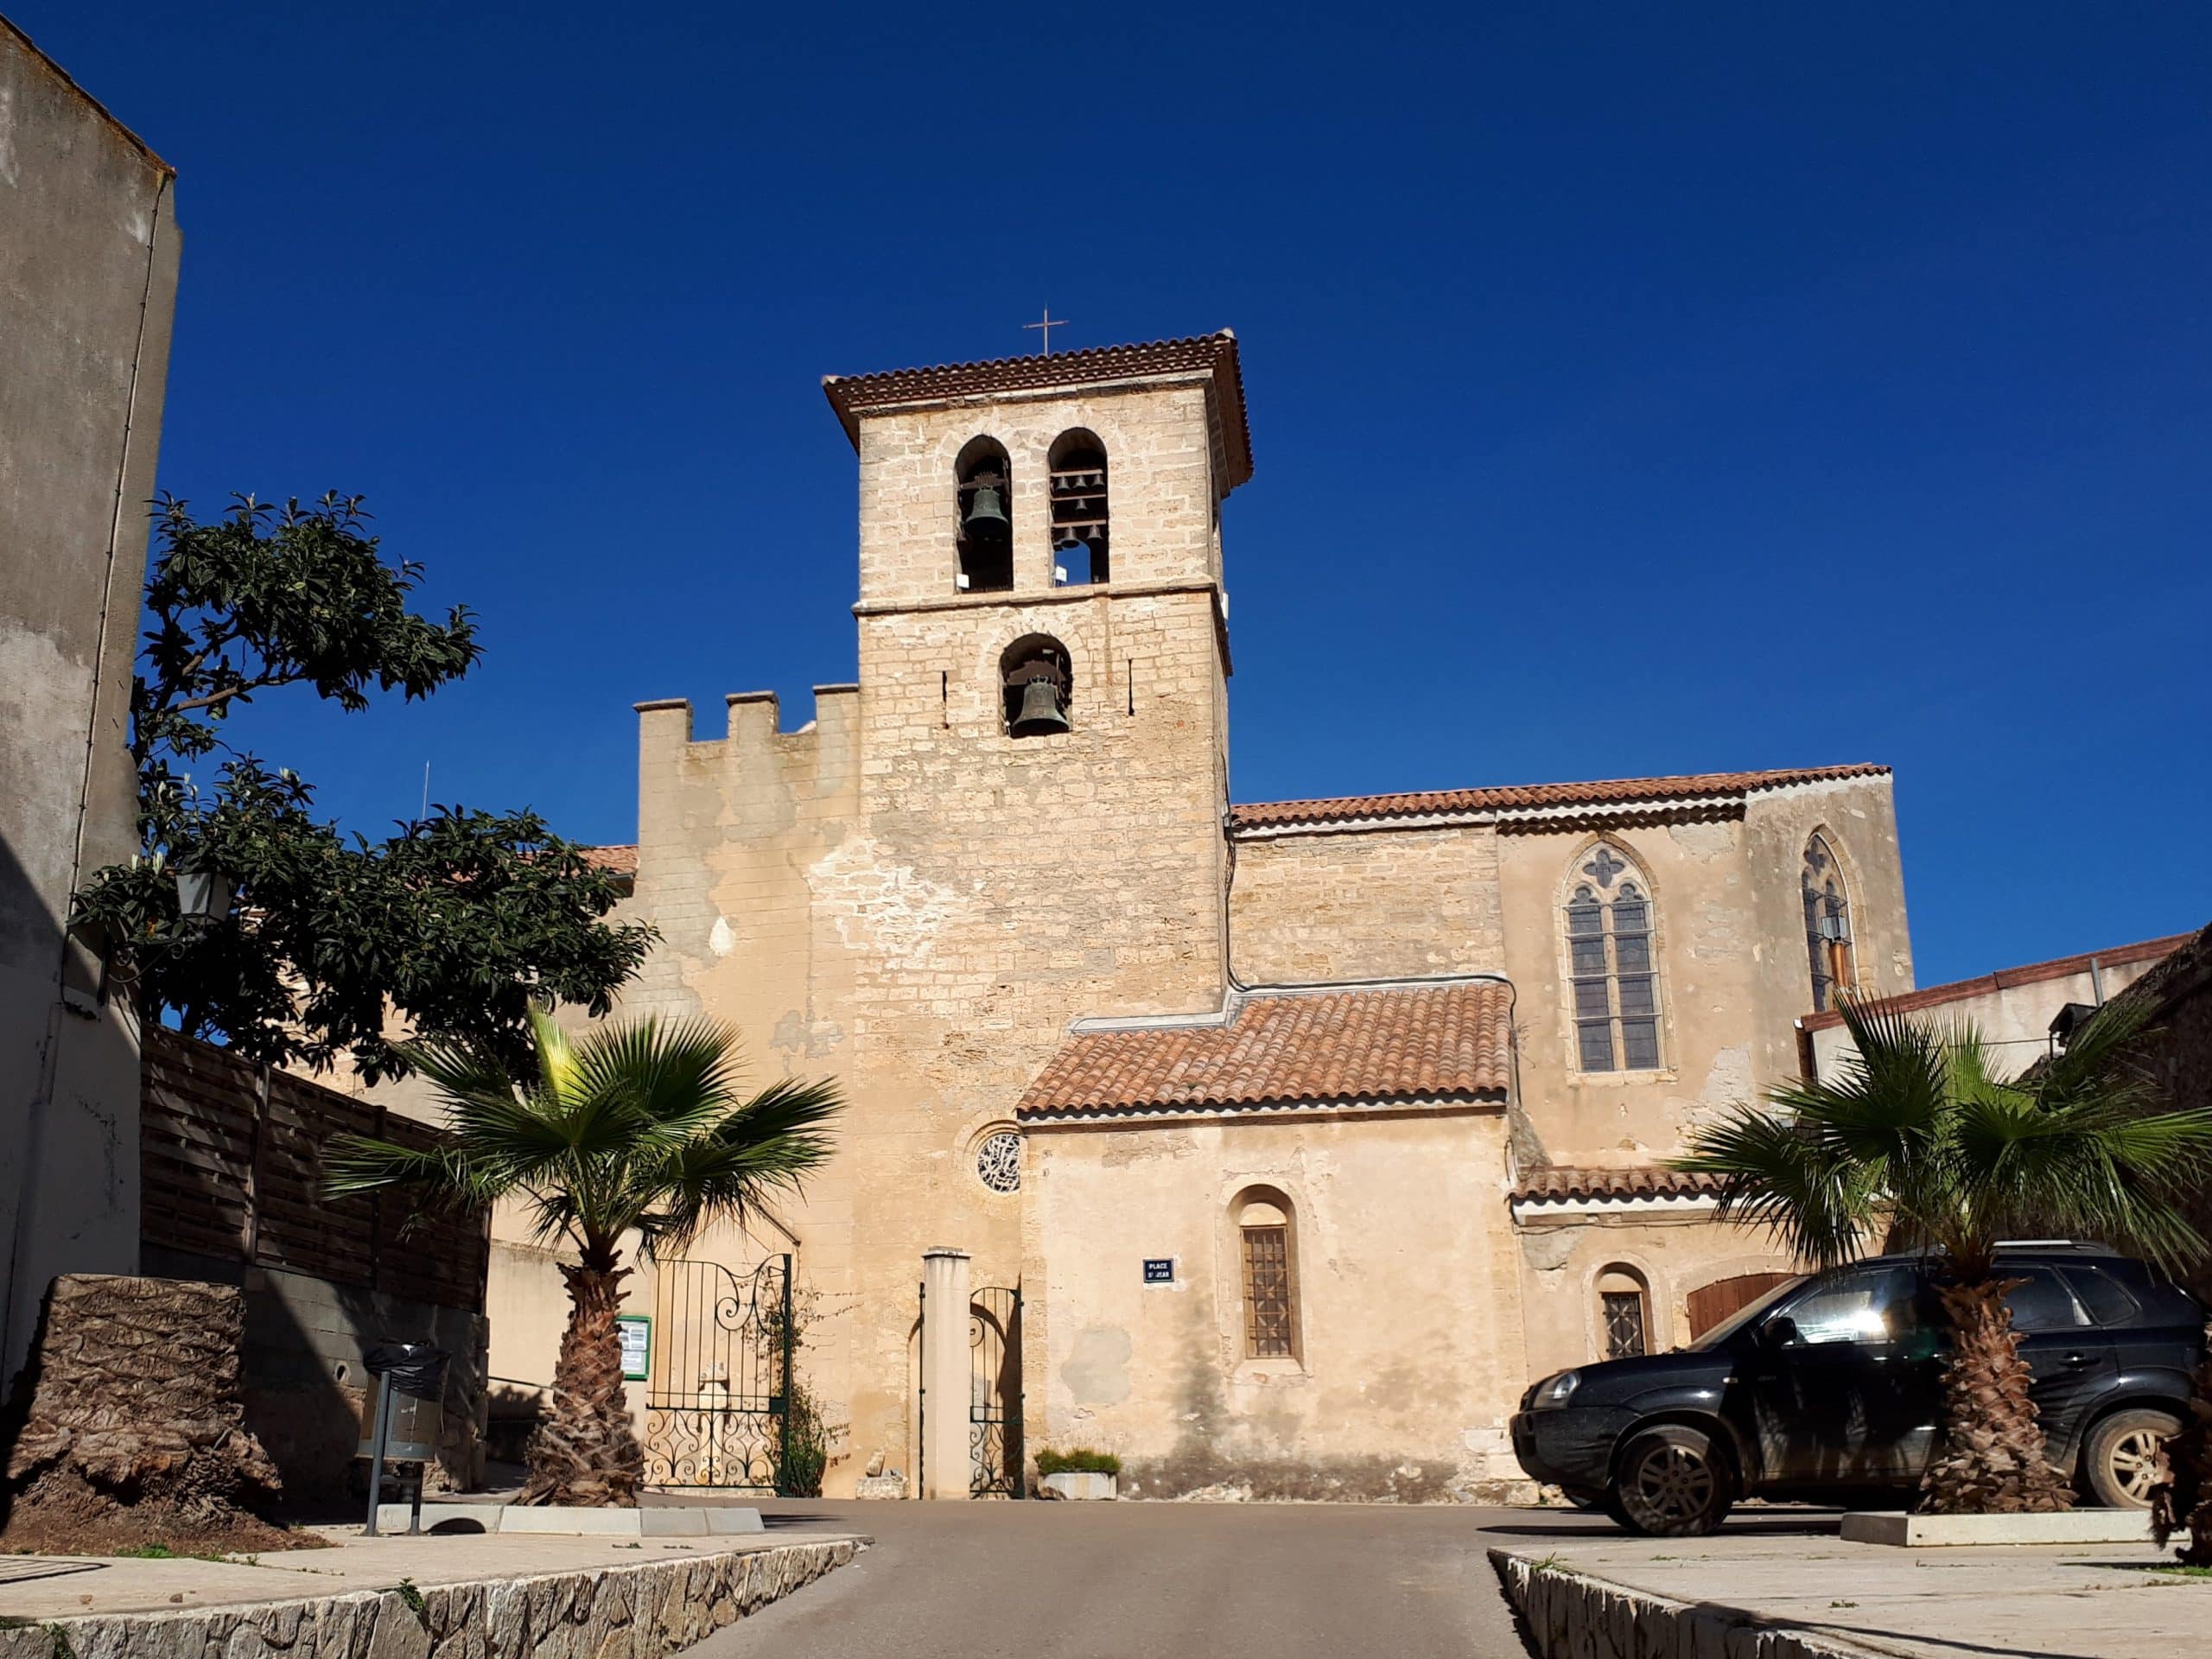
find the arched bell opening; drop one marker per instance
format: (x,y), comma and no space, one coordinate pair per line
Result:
(1077,462)
(984,506)
(1038,686)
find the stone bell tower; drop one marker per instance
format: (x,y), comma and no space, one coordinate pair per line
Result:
(1044,652)
(1013,820)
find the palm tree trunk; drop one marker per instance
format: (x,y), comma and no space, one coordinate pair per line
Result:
(1993,1460)
(586,1453)
(2181,1501)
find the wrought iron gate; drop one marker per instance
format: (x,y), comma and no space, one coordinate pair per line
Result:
(721,1374)
(994,1451)
(994,1459)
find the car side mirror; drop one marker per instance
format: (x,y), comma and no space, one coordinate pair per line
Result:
(1781,1331)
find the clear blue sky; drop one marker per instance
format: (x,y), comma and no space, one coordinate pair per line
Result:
(1634,389)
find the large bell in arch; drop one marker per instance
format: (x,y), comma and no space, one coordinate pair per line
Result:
(1040,711)
(985,514)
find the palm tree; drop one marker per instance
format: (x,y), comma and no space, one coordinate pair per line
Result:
(642,1128)
(1917,1138)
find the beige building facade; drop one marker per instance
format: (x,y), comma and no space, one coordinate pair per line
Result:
(2022,1014)
(1286,1143)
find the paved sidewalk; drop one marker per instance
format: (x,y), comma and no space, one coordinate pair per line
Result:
(2018,1602)
(69,1588)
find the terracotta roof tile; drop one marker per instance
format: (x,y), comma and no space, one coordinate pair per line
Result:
(850,393)
(615,861)
(1419,1043)
(1643,1181)
(1533,797)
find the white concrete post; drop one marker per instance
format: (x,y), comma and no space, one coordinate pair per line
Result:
(945,1373)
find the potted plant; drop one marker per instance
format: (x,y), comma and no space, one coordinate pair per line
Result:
(1081,1473)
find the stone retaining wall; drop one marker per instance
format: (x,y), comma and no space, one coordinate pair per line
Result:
(620,1612)
(1565,1615)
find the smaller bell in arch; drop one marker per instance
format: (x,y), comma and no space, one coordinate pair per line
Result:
(1040,711)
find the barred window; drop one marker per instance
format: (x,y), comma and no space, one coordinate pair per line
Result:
(1622,1313)
(1827,924)
(1270,1300)
(1613,972)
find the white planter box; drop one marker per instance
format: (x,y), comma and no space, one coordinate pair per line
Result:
(1085,1485)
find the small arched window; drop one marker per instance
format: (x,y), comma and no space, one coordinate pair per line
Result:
(1267,1247)
(1623,1312)
(1613,978)
(1827,924)
(1078,463)
(983,500)
(1037,686)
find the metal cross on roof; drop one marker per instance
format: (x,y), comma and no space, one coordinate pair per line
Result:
(1048,324)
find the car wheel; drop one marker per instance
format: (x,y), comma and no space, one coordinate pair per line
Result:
(2120,1462)
(1671,1482)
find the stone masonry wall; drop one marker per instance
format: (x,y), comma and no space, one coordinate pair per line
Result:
(1366,905)
(627,1612)
(909,900)
(1159,438)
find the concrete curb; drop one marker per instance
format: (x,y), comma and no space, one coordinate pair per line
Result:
(1564,1614)
(643,1611)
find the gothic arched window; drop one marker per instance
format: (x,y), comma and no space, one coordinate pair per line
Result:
(983,499)
(1827,923)
(1077,464)
(1613,976)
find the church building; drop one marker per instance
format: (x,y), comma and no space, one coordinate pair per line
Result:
(1286,1142)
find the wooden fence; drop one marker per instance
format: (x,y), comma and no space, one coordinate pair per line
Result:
(231,1163)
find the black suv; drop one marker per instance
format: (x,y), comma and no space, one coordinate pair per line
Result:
(1826,1390)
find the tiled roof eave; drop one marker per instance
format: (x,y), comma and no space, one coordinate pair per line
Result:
(1568,1184)
(1541,805)
(1147,1111)
(1209,358)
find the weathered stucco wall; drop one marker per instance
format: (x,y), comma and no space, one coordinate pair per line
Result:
(1403,1266)
(88,261)
(1730,936)
(1672,1247)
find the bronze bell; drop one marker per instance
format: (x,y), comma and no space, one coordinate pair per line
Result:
(984,512)
(1040,710)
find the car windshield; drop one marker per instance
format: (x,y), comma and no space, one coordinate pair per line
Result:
(1743,1316)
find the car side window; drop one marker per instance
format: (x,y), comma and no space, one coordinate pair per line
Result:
(1875,1305)
(2042,1303)
(2107,1298)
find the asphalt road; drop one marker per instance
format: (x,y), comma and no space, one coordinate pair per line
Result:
(1046,1580)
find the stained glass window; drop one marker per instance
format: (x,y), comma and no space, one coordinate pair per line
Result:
(998,1162)
(1827,924)
(1613,970)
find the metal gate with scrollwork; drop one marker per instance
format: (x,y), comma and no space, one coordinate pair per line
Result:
(994,1402)
(721,1374)
(994,1392)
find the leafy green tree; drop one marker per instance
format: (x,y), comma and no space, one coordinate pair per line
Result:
(641,1130)
(1917,1137)
(455,925)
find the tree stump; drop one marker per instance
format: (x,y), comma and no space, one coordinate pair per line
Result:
(130,1424)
